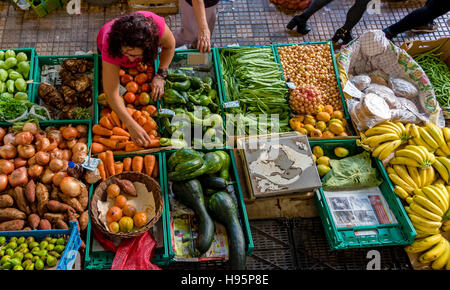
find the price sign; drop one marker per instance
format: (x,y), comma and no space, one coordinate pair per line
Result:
(90,163)
(232,104)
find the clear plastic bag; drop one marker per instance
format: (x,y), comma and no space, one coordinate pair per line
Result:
(33,114)
(366,114)
(22,117)
(403,88)
(361,82)
(386,93)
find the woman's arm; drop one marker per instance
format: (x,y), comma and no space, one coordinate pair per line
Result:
(110,78)
(204,35)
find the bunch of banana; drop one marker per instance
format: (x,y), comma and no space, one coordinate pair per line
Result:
(442,166)
(435,249)
(431,137)
(384,138)
(413,156)
(409,178)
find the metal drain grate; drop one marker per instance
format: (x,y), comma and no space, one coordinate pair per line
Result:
(313,252)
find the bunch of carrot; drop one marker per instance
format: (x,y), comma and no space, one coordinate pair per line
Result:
(144,164)
(111,134)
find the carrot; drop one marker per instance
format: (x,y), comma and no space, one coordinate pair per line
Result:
(115,119)
(124,126)
(146,114)
(109,162)
(120,132)
(137,115)
(131,111)
(100,130)
(122,145)
(126,164)
(96,138)
(112,144)
(149,164)
(155,143)
(97,147)
(155,170)
(142,120)
(118,167)
(106,122)
(119,138)
(102,157)
(137,164)
(153,133)
(101,168)
(133,147)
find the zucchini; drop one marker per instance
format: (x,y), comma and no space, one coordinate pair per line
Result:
(225,170)
(224,210)
(181,86)
(181,155)
(190,194)
(214,182)
(177,76)
(211,164)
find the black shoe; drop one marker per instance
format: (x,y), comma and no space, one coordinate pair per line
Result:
(389,35)
(300,22)
(342,34)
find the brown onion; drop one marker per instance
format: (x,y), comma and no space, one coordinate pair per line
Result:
(31,161)
(56,165)
(24,138)
(56,154)
(66,165)
(30,127)
(83,140)
(54,136)
(66,154)
(2,133)
(82,130)
(70,133)
(19,162)
(6,166)
(9,139)
(26,151)
(53,145)
(42,158)
(58,177)
(79,147)
(43,144)
(47,178)
(8,151)
(3,182)
(71,143)
(35,171)
(62,145)
(70,186)
(50,128)
(18,177)
(79,157)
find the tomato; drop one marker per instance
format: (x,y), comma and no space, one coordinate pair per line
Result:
(125,79)
(144,99)
(129,97)
(133,71)
(141,67)
(141,78)
(121,72)
(140,219)
(150,69)
(151,110)
(104,112)
(145,88)
(132,87)
(150,76)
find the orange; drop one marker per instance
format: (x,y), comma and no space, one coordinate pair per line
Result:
(114,227)
(121,201)
(328,109)
(316,133)
(113,190)
(126,224)
(140,219)
(327,134)
(336,128)
(338,114)
(129,210)
(113,214)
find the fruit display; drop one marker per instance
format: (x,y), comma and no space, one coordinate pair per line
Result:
(69,95)
(325,123)
(14,72)
(137,82)
(28,253)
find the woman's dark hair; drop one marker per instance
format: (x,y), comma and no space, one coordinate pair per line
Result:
(134,30)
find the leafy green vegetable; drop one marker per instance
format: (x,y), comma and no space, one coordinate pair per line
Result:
(351,172)
(81,113)
(11,108)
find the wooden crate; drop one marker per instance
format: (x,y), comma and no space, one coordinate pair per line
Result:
(159,7)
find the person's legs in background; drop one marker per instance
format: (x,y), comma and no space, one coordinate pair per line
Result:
(354,15)
(300,20)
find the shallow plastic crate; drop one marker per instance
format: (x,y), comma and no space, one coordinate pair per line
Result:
(242,213)
(51,5)
(58,59)
(32,57)
(400,233)
(70,253)
(39,9)
(103,259)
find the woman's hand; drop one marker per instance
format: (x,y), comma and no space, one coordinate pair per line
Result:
(204,41)
(138,134)
(157,86)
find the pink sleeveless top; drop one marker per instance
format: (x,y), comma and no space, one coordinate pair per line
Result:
(102,40)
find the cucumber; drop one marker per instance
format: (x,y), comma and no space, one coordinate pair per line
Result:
(213,182)
(177,76)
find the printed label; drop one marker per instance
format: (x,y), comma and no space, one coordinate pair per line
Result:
(232,104)
(90,163)
(166,112)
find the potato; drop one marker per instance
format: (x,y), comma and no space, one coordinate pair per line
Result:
(30,191)
(6,200)
(13,225)
(11,213)
(18,194)
(44,225)
(33,221)
(56,206)
(84,196)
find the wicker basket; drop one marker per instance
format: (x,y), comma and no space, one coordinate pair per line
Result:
(101,195)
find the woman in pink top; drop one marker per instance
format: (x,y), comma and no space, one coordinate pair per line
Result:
(125,42)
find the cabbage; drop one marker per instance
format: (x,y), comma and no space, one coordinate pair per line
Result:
(21,56)
(24,68)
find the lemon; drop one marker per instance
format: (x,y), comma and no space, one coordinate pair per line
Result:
(323,169)
(324,160)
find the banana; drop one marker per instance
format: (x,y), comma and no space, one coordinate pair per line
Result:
(409,153)
(408,210)
(403,173)
(401,127)
(398,181)
(388,149)
(379,148)
(423,212)
(390,170)
(439,181)
(440,152)
(414,131)
(380,130)
(374,141)
(434,252)
(445,161)
(401,192)
(440,262)
(441,191)
(420,245)
(408,129)
(426,229)
(435,197)
(414,173)
(426,203)
(427,138)
(390,124)
(431,175)
(446,133)
(422,151)
(418,191)
(445,149)
(436,133)
(441,169)
(411,142)
(445,228)
(424,222)
(404,161)
(420,235)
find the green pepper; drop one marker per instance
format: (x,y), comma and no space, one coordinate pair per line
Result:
(208,80)
(11,245)
(39,264)
(194,120)
(30,267)
(213,120)
(2,240)
(173,142)
(212,94)
(182,86)
(167,127)
(202,100)
(171,96)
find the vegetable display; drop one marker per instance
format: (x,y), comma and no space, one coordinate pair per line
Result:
(252,77)
(27,253)
(14,72)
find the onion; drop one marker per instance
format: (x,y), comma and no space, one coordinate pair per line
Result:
(56,154)
(39,135)
(42,158)
(83,140)
(18,177)
(70,186)
(19,162)
(43,144)
(93,176)
(30,127)
(3,182)
(9,139)
(82,130)
(79,147)
(47,178)
(52,146)
(6,166)
(70,133)
(58,177)
(62,145)
(24,138)
(71,143)
(50,128)
(56,165)
(66,154)
(8,151)
(2,133)
(26,151)
(54,136)
(79,157)
(31,161)
(35,171)
(66,165)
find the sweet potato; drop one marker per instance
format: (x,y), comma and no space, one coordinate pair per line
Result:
(18,193)
(126,186)
(42,198)
(58,207)
(30,191)
(13,225)
(53,217)
(26,229)
(72,202)
(11,213)
(33,207)
(44,225)
(6,200)
(54,193)
(84,220)
(60,224)
(84,196)
(33,221)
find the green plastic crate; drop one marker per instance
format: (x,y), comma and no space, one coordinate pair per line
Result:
(104,259)
(241,204)
(51,5)
(32,57)
(400,233)
(58,59)
(39,9)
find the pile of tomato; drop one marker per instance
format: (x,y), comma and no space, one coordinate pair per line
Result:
(136,81)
